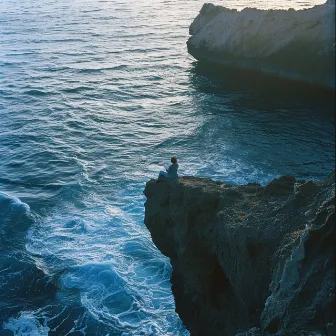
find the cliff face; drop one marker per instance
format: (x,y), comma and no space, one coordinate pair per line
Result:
(247,256)
(295,44)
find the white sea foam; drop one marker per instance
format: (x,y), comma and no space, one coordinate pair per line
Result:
(82,130)
(27,325)
(298,44)
(122,280)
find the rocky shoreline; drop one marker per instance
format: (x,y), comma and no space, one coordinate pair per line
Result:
(292,44)
(248,260)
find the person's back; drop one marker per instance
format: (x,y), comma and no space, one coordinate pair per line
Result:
(172,170)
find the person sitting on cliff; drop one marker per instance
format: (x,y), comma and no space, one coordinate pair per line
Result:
(171,172)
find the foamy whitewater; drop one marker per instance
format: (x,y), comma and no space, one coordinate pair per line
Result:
(95,96)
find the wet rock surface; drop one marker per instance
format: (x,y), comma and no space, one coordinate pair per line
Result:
(248,260)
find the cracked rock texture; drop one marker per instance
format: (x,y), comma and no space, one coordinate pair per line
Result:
(248,260)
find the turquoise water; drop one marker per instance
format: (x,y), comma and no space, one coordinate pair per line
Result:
(95,96)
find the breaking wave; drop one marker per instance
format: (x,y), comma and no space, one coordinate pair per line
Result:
(53,282)
(23,285)
(83,125)
(295,44)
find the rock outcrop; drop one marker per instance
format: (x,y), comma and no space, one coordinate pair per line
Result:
(294,44)
(248,260)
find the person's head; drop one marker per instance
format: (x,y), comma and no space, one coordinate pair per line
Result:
(173,159)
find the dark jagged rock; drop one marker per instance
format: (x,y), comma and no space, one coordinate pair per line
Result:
(247,260)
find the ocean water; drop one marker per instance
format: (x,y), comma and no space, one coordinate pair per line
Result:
(95,96)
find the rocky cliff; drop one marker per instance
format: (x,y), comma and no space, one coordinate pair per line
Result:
(295,44)
(248,260)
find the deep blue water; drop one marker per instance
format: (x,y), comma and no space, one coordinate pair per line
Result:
(94,97)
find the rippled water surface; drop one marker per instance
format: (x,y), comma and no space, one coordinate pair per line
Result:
(94,97)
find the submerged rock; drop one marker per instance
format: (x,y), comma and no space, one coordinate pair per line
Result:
(247,260)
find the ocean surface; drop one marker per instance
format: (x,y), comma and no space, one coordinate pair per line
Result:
(95,96)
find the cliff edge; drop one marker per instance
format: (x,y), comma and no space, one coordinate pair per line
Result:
(294,44)
(248,260)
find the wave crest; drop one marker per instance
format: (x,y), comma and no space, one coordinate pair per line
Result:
(15,216)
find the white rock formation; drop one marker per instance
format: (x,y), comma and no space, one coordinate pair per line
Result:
(297,44)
